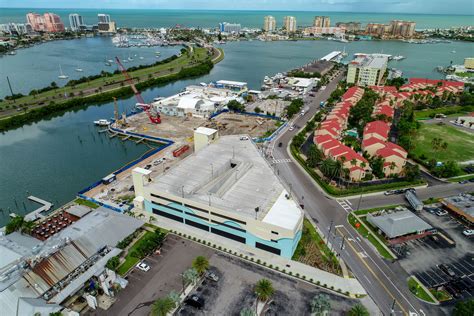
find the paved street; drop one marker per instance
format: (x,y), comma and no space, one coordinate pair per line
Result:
(384,281)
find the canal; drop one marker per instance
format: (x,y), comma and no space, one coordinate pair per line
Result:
(55,158)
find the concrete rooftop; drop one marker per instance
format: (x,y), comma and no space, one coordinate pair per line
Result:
(230,172)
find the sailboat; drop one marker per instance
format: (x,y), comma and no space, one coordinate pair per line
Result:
(61,75)
(107,62)
(130,57)
(344,54)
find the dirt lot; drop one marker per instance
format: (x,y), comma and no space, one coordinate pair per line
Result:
(234,291)
(232,124)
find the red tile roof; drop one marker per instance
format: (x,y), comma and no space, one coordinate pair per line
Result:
(331,144)
(395,147)
(378,127)
(387,152)
(340,150)
(386,110)
(351,92)
(351,154)
(370,141)
(321,139)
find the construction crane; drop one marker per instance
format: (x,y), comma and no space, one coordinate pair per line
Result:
(154,117)
(122,121)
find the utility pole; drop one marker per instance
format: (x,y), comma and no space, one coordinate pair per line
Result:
(11,90)
(392,310)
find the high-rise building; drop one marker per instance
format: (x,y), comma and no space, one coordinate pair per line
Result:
(53,23)
(367,70)
(269,24)
(36,21)
(16,28)
(322,21)
(375,29)
(289,23)
(75,21)
(349,26)
(402,28)
(103,18)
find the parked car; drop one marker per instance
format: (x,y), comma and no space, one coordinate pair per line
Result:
(159,161)
(292,127)
(195,301)
(463,182)
(312,95)
(446,269)
(147,167)
(390,192)
(468,232)
(432,210)
(244,138)
(143,266)
(441,212)
(280,144)
(212,276)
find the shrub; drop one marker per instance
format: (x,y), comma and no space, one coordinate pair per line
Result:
(297,275)
(271,266)
(290,273)
(258,261)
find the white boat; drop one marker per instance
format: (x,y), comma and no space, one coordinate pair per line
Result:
(79,69)
(398,57)
(12,52)
(157,53)
(130,58)
(102,122)
(453,51)
(61,75)
(141,57)
(110,60)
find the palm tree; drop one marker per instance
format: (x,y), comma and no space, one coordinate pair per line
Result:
(200,264)
(162,306)
(247,312)
(327,167)
(392,166)
(264,289)
(190,275)
(358,310)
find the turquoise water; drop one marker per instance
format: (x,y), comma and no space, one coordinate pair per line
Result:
(57,157)
(208,18)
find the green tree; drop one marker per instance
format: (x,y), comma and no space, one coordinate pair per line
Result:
(320,304)
(376,163)
(411,172)
(257,110)
(200,264)
(247,312)
(358,310)
(113,263)
(315,156)
(464,308)
(190,276)
(162,306)
(264,290)
(235,105)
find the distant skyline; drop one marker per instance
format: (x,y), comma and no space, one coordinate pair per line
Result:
(462,7)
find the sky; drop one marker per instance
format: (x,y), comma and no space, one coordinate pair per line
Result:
(465,7)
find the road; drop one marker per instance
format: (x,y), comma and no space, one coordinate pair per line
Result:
(384,281)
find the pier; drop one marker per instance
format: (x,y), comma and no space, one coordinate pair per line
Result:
(37,213)
(331,56)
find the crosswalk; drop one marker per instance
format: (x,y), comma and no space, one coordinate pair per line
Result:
(346,205)
(281,160)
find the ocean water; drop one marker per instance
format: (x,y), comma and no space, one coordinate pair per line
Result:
(211,18)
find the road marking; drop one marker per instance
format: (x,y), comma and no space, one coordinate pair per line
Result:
(421,311)
(367,279)
(281,160)
(345,206)
(337,226)
(362,254)
(348,202)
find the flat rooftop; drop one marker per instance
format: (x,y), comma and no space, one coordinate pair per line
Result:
(234,177)
(371,61)
(463,202)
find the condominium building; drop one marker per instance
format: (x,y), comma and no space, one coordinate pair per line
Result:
(103,18)
(322,21)
(75,22)
(367,70)
(225,193)
(289,23)
(402,28)
(230,27)
(16,28)
(376,28)
(36,21)
(349,26)
(53,23)
(269,24)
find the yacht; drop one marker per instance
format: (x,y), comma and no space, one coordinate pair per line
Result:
(13,52)
(78,69)
(61,74)
(398,57)
(130,58)
(141,57)
(453,51)
(102,122)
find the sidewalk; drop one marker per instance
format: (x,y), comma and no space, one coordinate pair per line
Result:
(284,265)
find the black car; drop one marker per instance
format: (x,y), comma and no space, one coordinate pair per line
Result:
(446,269)
(280,144)
(195,301)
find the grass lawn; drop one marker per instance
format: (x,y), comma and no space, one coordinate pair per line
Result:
(457,179)
(441,295)
(370,237)
(419,292)
(130,261)
(447,110)
(460,144)
(86,203)
(313,251)
(375,209)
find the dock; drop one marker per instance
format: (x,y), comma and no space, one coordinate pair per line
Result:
(140,140)
(37,213)
(112,135)
(331,56)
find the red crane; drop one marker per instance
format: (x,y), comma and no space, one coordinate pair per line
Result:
(154,117)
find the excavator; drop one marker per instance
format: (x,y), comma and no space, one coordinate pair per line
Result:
(152,114)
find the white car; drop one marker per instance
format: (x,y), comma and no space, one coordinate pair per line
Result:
(143,266)
(159,161)
(468,232)
(244,138)
(291,128)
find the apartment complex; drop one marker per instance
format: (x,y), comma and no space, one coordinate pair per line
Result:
(16,28)
(75,22)
(367,70)
(322,21)
(103,18)
(48,22)
(227,190)
(269,24)
(395,28)
(289,24)
(105,24)
(349,26)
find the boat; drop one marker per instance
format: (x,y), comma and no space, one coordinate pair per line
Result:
(13,52)
(130,58)
(453,51)
(102,122)
(61,75)
(157,53)
(79,69)
(398,57)
(344,54)
(110,60)
(141,57)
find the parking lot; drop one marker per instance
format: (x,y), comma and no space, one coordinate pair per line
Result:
(449,247)
(235,290)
